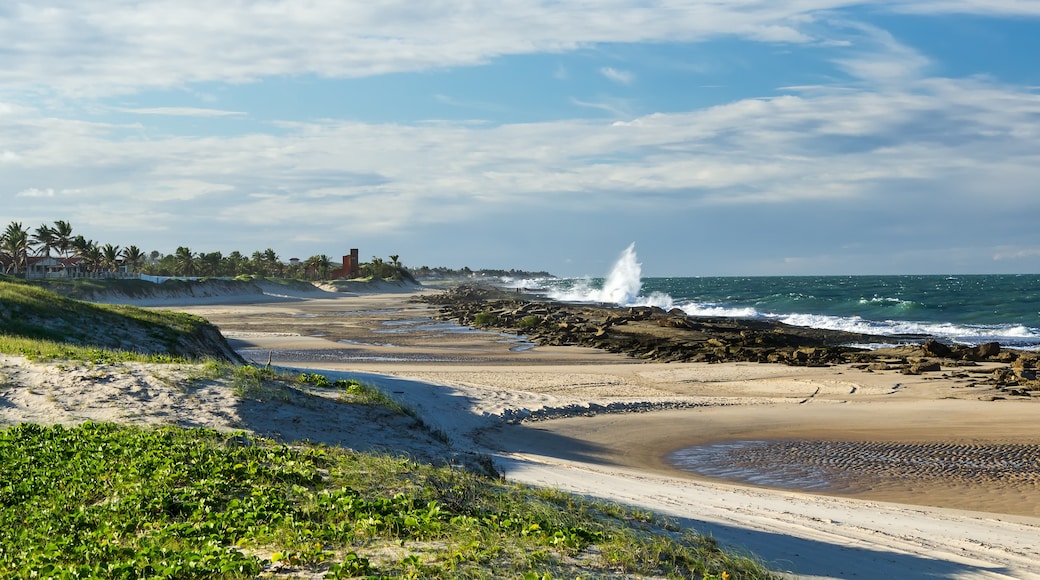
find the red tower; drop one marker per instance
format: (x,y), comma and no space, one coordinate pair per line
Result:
(350,264)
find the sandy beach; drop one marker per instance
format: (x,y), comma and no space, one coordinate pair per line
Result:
(830,472)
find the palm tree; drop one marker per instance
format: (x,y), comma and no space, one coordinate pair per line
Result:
(236,263)
(256,263)
(110,257)
(210,263)
(310,268)
(271,263)
(45,239)
(324,266)
(87,251)
(393,258)
(62,237)
(318,267)
(133,257)
(15,244)
(184,261)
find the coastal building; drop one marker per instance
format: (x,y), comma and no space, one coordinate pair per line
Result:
(351,266)
(51,267)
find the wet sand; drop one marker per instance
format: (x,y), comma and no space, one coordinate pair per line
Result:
(930,439)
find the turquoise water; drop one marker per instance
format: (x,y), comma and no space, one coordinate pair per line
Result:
(958,309)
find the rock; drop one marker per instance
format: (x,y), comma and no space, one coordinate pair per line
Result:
(983,351)
(1026,374)
(1024,362)
(1006,356)
(653,334)
(1004,375)
(937,349)
(925,366)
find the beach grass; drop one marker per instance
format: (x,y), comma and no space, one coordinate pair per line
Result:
(65,327)
(196,503)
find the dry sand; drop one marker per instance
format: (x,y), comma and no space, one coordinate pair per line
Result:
(920,477)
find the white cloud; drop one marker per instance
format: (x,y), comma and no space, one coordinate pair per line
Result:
(72,48)
(877,56)
(616,107)
(893,143)
(979,7)
(1005,254)
(35,192)
(180,112)
(617,76)
(942,138)
(118,46)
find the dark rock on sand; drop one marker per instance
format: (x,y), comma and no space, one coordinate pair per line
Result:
(647,332)
(657,335)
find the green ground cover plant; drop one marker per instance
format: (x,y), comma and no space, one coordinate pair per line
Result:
(49,350)
(110,501)
(84,288)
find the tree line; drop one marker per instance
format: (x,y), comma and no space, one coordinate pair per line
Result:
(18,243)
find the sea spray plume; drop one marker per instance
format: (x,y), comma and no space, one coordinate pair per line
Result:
(622,286)
(625,280)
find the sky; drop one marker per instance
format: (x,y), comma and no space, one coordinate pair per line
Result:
(721,137)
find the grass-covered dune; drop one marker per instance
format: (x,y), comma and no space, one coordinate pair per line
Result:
(37,321)
(130,290)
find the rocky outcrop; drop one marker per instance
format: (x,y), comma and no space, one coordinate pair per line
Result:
(656,335)
(647,332)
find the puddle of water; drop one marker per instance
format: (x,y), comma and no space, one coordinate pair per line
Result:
(730,460)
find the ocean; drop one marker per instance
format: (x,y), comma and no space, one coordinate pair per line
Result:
(971,309)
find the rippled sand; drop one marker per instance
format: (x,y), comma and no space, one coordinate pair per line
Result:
(861,465)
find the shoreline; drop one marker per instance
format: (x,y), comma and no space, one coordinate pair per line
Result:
(470,380)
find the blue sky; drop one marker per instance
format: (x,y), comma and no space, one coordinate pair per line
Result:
(761,137)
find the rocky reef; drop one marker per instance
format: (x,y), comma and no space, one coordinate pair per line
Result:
(657,335)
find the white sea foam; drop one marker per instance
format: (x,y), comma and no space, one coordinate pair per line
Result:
(706,309)
(622,286)
(967,334)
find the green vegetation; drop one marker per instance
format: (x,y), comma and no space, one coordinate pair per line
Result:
(377,269)
(444,273)
(485,318)
(49,350)
(529,321)
(53,326)
(106,501)
(93,259)
(86,288)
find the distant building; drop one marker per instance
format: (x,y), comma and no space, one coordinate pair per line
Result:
(351,266)
(51,267)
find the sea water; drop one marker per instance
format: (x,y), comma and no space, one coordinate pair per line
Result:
(959,309)
(953,308)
